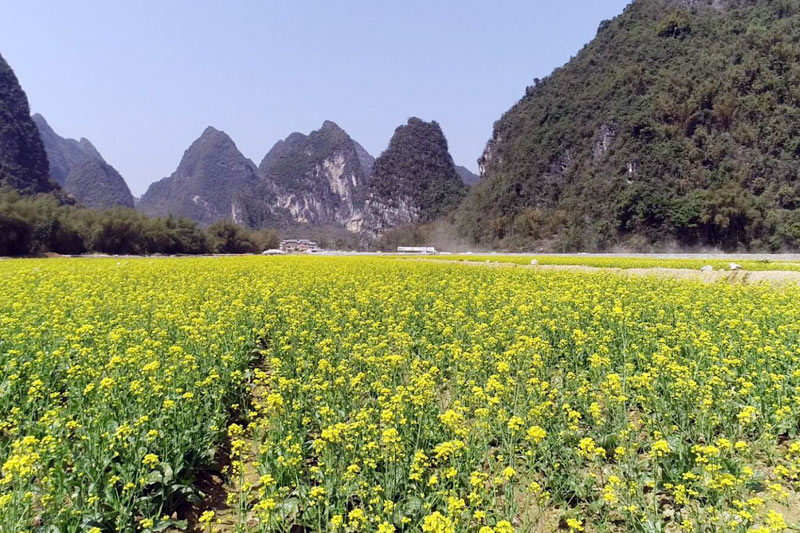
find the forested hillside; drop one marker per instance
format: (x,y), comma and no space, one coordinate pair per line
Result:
(679,124)
(413,181)
(23,162)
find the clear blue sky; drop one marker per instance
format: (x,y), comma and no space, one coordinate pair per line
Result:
(142,79)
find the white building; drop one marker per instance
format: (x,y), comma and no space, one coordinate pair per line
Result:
(416,249)
(291,246)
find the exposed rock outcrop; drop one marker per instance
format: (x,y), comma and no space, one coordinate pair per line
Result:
(316,179)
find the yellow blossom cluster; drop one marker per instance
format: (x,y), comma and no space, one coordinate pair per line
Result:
(116,378)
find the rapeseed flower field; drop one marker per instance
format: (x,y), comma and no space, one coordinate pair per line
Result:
(375,394)
(622,262)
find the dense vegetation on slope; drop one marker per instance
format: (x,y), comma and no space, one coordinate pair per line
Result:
(80,169)
(23,162)
(414,180)
(202,188)
(679,123)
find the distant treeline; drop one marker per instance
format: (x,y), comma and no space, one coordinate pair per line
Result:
(31,225)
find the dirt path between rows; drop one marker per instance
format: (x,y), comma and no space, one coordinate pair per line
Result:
(776,277)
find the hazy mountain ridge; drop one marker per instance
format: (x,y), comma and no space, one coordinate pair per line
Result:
(206,184)
(467,176)
(80,169)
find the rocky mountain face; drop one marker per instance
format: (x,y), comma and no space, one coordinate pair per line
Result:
(207,185)
(677,125)
(316,179)
(323,180)
(413,181)
(81,171)
(23,161)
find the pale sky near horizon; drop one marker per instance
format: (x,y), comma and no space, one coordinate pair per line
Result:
(142,79)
